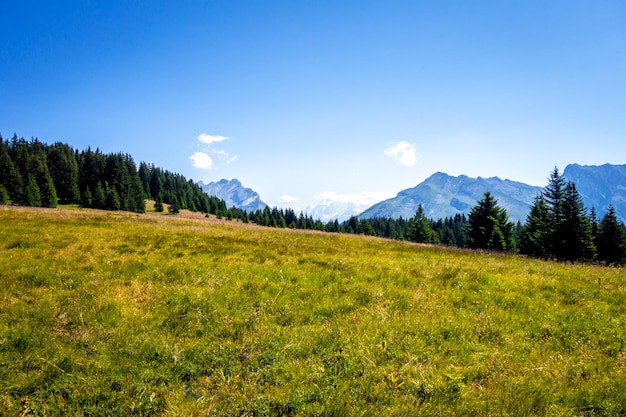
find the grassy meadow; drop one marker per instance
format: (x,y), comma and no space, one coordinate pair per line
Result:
(107,313)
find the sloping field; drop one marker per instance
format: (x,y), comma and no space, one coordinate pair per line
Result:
(123,314)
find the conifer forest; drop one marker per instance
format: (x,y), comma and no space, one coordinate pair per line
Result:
(558,226)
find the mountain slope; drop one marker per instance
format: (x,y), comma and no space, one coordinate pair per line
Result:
(600,186)
(234,194)
(443,195)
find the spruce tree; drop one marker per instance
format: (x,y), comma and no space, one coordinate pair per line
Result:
(419,228)
(86,199)
(158,204)
(489,226)
(4,195)
(112,199)
(32,194)
(46,185)
(533,237)
(136,191)
(9,175)
(144,177)
(48,192)
(554,194)
(577,243)
(64,172)
(593,218)
(174,207)
(611,239)
(99,196)
(364,227)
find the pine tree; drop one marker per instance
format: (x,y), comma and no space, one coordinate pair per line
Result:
(533,236)
(136,193)
(174,207)
(112,199)
(593,218)
(32,194)
(86,199)
(99,196)
(158,204)
(489,226)
(365,228)
(91,166)
(611,239)
(64,172)
(576,228)
(419,228)
(4,195)
(9,176)
(144,177)
(45,183)
(554,195)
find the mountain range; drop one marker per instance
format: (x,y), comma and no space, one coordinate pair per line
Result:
(327,210)
(600,186)
(443,195)
(234,194)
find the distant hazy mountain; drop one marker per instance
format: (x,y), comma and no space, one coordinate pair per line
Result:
(327,210)
(234,194)
(443,195)
(600,186)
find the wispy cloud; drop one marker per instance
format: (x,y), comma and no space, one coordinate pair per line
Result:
(403,152)
(223,155)
(287,199)
(209,139)
(201,160)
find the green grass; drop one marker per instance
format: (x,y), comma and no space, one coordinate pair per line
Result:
(124,314)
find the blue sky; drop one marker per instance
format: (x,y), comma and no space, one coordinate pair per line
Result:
(341,99)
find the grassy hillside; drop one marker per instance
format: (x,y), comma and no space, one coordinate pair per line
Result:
(124,314)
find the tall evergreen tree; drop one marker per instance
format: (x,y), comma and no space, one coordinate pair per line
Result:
(99,196)
(554,195)
(91,166)
(533,237)
(611,239)
(112,199)
(4,195)
(86,198)
(419,228)
(63,168)
(364,227)
(577,243)
(46,185)
(158,204)
(489,226)
(593,218)
(144,177)
(135,194)
(10,177)
(32,194)
(174,207)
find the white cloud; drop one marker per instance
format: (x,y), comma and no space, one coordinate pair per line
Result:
(201,160)
(288,199)
(363,198)
(208,139)
(403,152)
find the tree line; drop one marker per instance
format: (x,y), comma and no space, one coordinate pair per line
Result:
(558,225)
(36,174)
